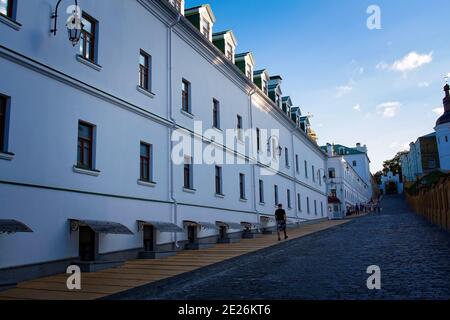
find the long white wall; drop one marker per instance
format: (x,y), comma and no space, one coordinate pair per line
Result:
(51,91)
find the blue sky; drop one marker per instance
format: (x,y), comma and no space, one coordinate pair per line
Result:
(377,87)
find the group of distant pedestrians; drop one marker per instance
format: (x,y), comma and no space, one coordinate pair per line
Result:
(361,208)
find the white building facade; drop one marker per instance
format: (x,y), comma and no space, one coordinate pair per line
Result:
(349,185)
(87,137)
(443,132)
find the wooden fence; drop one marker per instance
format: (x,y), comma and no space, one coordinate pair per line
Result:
(433,202)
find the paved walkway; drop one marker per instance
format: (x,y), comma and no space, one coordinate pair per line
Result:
(414,257)
(139,273)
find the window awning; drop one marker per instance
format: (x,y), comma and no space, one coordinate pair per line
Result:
(267,219)
(104,227)
(13,226)
(204,225)
(250,225)
(161,226)
(230,225)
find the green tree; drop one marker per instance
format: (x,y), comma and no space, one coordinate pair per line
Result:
(394,164)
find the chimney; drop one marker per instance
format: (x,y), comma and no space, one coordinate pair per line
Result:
(330,151)
(447,98)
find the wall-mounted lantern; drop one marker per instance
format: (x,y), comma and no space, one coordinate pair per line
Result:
(74,24)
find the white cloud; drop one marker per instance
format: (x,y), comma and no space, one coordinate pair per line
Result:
(423,84)
(361,70)
(439,111)
(357,108)
(389,109)
(411,61)
(382,66)
(343,90)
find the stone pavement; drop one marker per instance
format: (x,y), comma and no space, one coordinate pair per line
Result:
(138,273)
(414,257)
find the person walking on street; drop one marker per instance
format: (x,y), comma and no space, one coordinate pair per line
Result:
(280,216)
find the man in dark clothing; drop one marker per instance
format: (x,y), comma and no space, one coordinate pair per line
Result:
(280,215)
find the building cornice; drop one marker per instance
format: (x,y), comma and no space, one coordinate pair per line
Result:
(192,36)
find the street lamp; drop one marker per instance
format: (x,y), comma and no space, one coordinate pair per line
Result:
(74,24)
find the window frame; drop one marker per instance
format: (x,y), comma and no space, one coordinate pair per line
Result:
(90,143)
(4,101)
(188,178)
(216,114)
(286,156)
(288,195)
(261,191)
(276,196)
(149,159)
(242,193)
(147,81)
(186,96)
(92,35)
(258,140)
(9,9)
(239,128)
(218,180)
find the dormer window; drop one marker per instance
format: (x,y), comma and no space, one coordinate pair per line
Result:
(265,87)
(178,5)
(206,28)
(230,52)
(249,71)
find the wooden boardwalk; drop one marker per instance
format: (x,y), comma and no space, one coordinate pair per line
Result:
(137,273)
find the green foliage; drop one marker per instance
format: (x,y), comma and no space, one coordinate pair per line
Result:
(427,182)
(394,164)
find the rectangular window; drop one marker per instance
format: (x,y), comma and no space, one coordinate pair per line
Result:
(205,28)
(321,208)
(85,145)
(289,199)
(6,8)
(297,165)
(331,173)
(216,114)
(276,195)
(258,139)
(219,190)
(230,52)
(313,174)
(144,70)
(249,72)
(3,102)
(306,169)
(242,186)
(239,128)
(188,178)
(265,87)
(88,38)
(186,96)
(315,207)
(308,209)
(261,191)
(299,202)
(145,167)
(286,157)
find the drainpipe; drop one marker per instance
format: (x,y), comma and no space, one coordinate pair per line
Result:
(295,174)
(255,208)
(172,127)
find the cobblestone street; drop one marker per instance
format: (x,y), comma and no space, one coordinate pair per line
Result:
(413,256)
